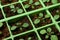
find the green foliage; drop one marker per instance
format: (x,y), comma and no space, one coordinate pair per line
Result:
(25,25)
(54,1)
(27,6)
(30,1)
(20,11)
(47,36)
(24,0)
(56,17)
(49,29)
(57,11)
(13,28)
(54,37)
(18,24)
(36,21)
(0,32)
(1,24)
(47,16)
(40,15)
(45,0)
(37,3)
(13,9)
(29,38)
(43,31)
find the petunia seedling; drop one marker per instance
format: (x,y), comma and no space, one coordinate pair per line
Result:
(37,3)
(47,16)
(20,11)
(1,24)
(27,6)
(21,39)
(29,38)
(43,31)
(54,37)
(30,1)
(47,36)
(25,25)
(40,15)
(49,30)
(36,21)
(13,28)
(54,1)
(56,17)
(12,6)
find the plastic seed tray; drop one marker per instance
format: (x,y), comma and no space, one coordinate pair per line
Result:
(32,32)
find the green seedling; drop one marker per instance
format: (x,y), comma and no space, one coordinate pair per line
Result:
(30,38)
(54,1)
(18,24)
(13,28)
(43,31)
(36,21)
(13,9)
(47,16)
(30,1)
(45,0)
(48,32)
(37,3)
(0,32)
(40,15)
(27,6)
(56,17)
(21,39)
(25,25)
(54,37)
(1,24)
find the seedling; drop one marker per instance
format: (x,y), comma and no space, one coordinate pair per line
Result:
(25,25)
(45,0)
(27,6)
(30,38)
(19,10)
(47,16)
(36,21)
(56,17)
(37,3)
(30,1)
(54,1)
(40,15)
(49,33)
(1,24)
(13,28)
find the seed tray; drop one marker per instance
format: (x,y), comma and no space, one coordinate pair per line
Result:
(21,25)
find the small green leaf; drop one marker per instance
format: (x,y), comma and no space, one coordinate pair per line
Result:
(1,24)
(47,36)
(25,25)
(21,28)
(30,1)
(18,24)
(54,37)
(54,1)
(0,32)
(44,0)
(43,31)
(56,17)
(47,16)
(57,11)
(40,15)
(49,30)
(36,21)
(27,6)
(29,38)
(37,3)
(12,6)
(20,11)
(13,28)
(33,6)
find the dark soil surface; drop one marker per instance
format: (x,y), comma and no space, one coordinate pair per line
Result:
(25,37)
(53,30)
(43,21)
(4,2)
(53,11)
(5,32)
(10,13)
(50,3)
(35,7)
(20,20)
(1,16)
